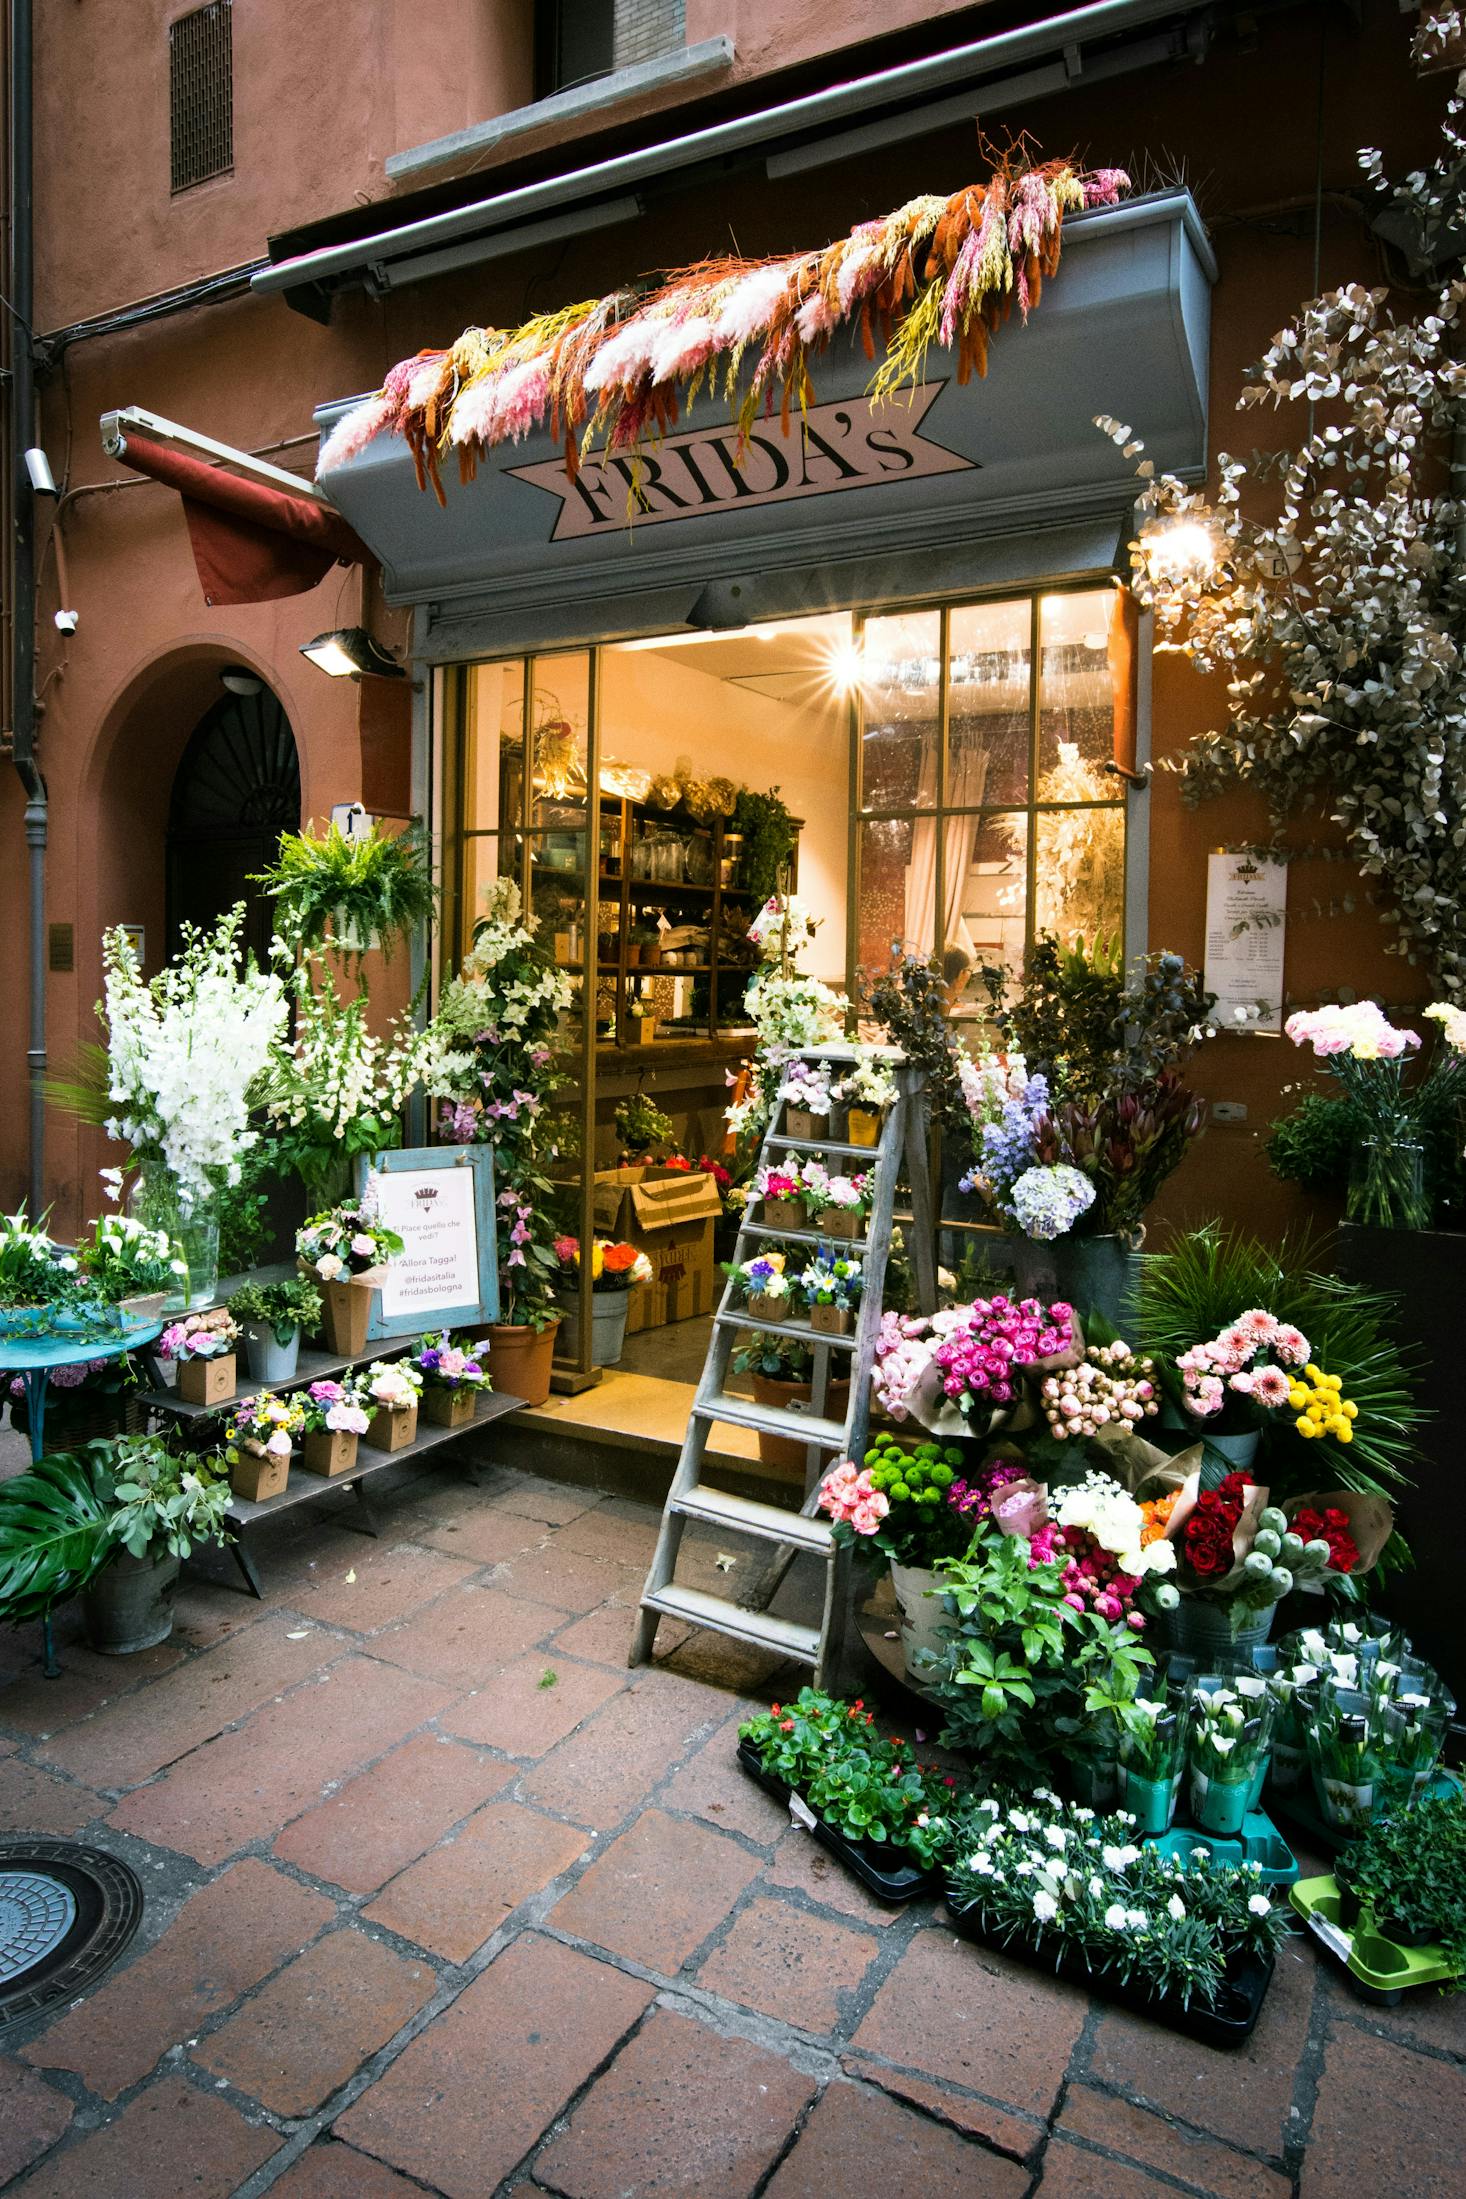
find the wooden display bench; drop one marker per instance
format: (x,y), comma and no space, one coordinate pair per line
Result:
(303,1488)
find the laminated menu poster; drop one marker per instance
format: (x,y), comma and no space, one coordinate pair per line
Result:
(433,1212)
(1246,914)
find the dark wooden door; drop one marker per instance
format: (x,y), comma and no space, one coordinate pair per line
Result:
(236,790)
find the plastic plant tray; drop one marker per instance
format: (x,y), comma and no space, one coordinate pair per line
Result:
(1259,1842)
(1300,1806)
(1230,2023)
(882,1870)
(1381,1968)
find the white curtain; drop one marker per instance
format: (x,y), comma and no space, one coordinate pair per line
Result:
(966,778)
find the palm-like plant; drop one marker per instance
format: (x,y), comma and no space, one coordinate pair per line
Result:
(56,1531)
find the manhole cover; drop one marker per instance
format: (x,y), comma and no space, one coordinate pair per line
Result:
(66,1914)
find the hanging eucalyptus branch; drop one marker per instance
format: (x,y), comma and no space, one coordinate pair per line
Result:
(1340,624)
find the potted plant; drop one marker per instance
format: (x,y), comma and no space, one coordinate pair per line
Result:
(346,1252)
(837,1204)
(129,1265)
(1408,1871)
(333,1415)
(867,1090)
(900,1507)
(39,1282)
(392,1387)
(203,1345)
(161,1508)
(641,1019)
(369,891)
(270,1318)
(763,1286)
(1226,1747)
(641,1127)
(830,1287)
(453,1379)
(616,1270)
(85,1400)
(1152,1763)
(779,1188)
(805,1091)
(259,1439)
(781,1368)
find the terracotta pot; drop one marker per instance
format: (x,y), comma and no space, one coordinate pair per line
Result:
(447,1408)
(783,1450)
(258,1474)
(392,1428)
(519,1361)
(207,1381)
(346,1311)
(328,1451)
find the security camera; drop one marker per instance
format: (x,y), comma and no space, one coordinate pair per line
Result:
(67,622)
(38,466)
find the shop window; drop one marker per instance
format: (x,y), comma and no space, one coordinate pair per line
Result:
(987,814)
(201,95)
(577,41)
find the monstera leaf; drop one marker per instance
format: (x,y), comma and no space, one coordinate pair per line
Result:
(55,1532)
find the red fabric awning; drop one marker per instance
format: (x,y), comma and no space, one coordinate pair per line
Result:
(251,544)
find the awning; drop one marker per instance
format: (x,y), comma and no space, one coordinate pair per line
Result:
(251,543)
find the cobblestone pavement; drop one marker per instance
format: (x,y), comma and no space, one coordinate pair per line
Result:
(442,1897)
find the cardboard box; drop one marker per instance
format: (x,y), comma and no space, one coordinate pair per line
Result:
(669,1214)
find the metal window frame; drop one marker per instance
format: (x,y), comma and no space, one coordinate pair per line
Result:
(185,69)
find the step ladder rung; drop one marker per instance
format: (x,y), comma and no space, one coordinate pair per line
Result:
(743,1515)
(760,1628)
(803,1236)
(742,1412)
(801,1329)
(869,1153)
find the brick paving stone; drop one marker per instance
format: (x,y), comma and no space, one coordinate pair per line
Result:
(1427,2019)
(786,1963)
(857,2140)
(171,2142)
(34,1705)
(616,1537)
(657,1892)
(375,1824)
(1121,2127)
(389,1584)
(224,1939)
(954,2011)
(713,1785)
(604,1637)
(515,1711)
(1010,2133)
(137,1736)
(803,1865)
(461,1891)
(569,1579)
(328,2170)
(553,1502)
(32,1801)
(1161,2068)
(464,1637)
(487,1534)
(609,1766)
(317,2021)
(32,2117)
(1073,2172)
(1395,2118)
(718,1661)
(680,2111)
(247,1784)
(468,2098)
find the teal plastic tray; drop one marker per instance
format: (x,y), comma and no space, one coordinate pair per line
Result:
(1300,1806)
(1259,1842)
(1381,1969)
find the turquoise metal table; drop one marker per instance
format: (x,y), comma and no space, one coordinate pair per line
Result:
(33,1357)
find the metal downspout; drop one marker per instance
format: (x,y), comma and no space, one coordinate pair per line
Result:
(23,575)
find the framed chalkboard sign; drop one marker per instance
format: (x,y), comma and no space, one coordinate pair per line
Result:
(440,1201)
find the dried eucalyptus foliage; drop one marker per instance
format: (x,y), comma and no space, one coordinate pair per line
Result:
(1340,622)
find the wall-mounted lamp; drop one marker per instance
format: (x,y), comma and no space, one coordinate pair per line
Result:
(239,680)
(351,653)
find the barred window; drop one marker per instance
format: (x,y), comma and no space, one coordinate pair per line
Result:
(201,94)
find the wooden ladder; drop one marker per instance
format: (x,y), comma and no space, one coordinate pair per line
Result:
(903,1133)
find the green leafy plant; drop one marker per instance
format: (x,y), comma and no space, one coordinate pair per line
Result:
(282,1307)
(1311,1144)
(1090,1028)
(162,1504)
(867,1788)
(779,1358)
(909,1001)
(55,1531)
(242,1210)
(1411,1870)
(33,1270)
(640,1124)
(374,890)
(768,840)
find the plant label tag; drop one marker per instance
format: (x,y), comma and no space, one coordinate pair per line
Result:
(801,1812)
(1338,1942)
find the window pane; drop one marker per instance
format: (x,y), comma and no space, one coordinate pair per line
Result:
(492,749)
(988,703)
(561,715)
(897,886)
(1078,695)
(901,701)
(486,857)
(987,901)
(1080,873)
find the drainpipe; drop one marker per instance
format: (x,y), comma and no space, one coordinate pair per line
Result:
(23,573)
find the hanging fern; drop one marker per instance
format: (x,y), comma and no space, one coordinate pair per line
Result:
(376,888)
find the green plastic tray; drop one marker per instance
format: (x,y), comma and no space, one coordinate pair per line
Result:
(1381,1968)
(1259,1842)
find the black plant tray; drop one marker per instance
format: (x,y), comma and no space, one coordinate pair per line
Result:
(883,1871)
(1230,2024)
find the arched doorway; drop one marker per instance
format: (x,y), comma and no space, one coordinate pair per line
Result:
(236,789)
